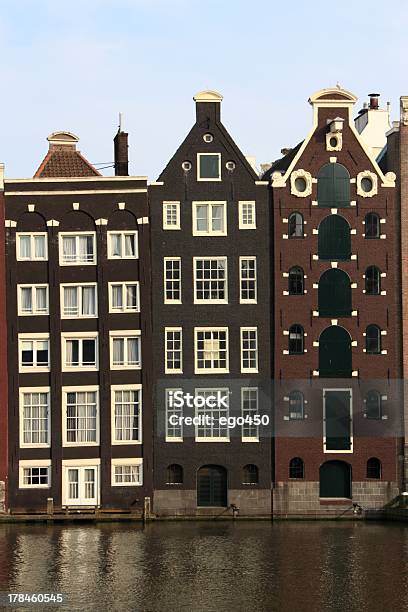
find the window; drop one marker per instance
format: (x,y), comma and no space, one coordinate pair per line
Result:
(296,405)
(296,281)
(34,351)
(77,248)
(373,340)
(337,420)
(367,184)
(32,300)
(171,215)
(32,247)
(127,472)
(79,351)
(125,350)
(373,403)
(333,186)
(174,426)
(81,423)
(247,280)
(34,417)
(210,280)
(209,219)
(249,349)
(250,474)
(374,468)
(372,225)
(373,281)
(295,225)
(126,414)
(296,340)
(174,350)
(211,349)
(174,474)
(335,294)
(249,408)
(247,215)
(78,301)
(35,474)
(124,297)
(211,412)
(334,241)
(208,166)
(296,468)
(172,280)
(122,245)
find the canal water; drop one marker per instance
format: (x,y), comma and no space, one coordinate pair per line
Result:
(209,566)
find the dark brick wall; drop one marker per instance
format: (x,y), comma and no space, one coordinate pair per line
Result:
(3,354)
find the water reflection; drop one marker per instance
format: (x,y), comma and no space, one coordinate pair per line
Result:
(211,566)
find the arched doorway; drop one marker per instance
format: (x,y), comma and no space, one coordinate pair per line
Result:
(334,294)
(334,241)
(335,479)
(212,486)
(335,353)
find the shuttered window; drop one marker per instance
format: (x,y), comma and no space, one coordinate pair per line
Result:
(335,294)
(333,186)
(334,239)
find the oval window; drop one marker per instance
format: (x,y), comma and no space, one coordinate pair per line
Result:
(208,137)
(366,184)
(300,184)
(230,165)
(333,141)
(186,165)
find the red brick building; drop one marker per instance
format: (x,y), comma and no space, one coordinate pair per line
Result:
(3,355)
(337,337)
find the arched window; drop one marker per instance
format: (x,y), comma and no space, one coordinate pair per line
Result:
(334,241)
(373,404)
(372,225)
(296,468)
(174,474)
(373,340)
(296,340)
(333,186)
(372,281)
(296,281)
(250,474)
(374,468)
(334,294)
(335,356)
(296,405)
(295,225)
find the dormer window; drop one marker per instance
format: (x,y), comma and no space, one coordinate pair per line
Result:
(208,166)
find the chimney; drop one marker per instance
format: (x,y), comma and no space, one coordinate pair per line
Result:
(121,153)
(208,107)
(373,101)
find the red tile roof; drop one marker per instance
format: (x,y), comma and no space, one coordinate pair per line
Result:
(65,162)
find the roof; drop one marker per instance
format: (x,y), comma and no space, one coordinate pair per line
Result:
(63,160)
(283,163)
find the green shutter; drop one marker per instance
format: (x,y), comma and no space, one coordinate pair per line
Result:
(335,360)
(337,420)
(335,479)
(334,294)
(333,186)
(212,486)
(334,243)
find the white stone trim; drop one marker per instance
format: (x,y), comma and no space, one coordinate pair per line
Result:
(374,180)
(304,174)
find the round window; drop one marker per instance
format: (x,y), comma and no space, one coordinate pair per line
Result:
(186,165)
(333,142)
(300,184)
(230,165)
(366,184)
(208,137)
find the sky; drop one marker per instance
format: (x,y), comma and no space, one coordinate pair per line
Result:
(75,65)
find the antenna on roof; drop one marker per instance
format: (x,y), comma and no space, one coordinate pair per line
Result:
(120,122)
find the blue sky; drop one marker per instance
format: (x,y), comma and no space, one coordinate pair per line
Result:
(74,65)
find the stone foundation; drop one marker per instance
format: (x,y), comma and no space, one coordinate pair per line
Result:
(2,496)
(254,502)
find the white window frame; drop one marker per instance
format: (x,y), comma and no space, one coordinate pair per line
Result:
(33,463)
(32,338)
(61,235)
(206,410)
(80,389)
(122,234)
(171,226)
(79,336)
(34,313)
(131,387)
(134,461)
(212,180)
(78,286)
(242,280)
(125,333)
(242,331)
(81,464)
(241,224)
(198,370)
(167,350)
(124,308)
(166,300)
(253,410)
(209,204)
(32,235)
(195,280)
(21,392)
(171,411)
(351,449)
